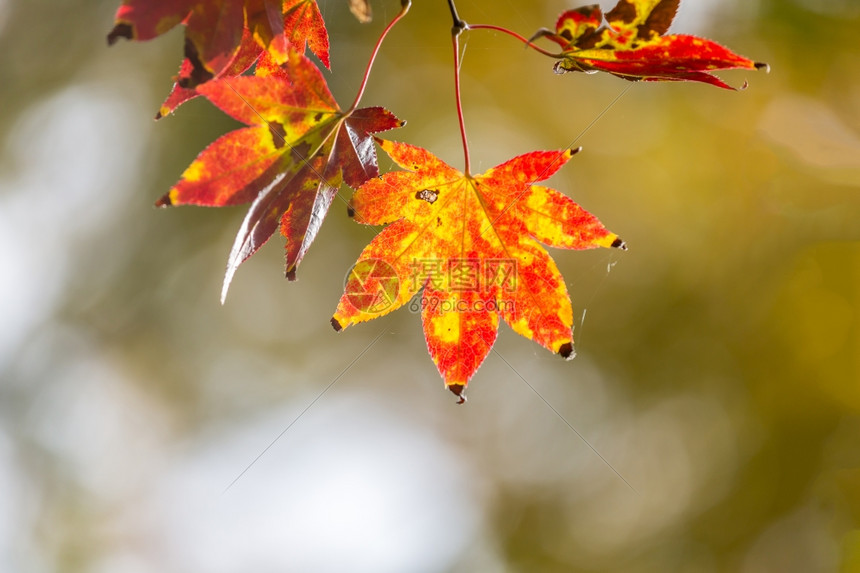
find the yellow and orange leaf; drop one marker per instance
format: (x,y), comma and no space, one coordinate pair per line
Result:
(474,245)
(632,44)
(289,162)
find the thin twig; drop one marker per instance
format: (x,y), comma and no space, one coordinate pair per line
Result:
(302,413)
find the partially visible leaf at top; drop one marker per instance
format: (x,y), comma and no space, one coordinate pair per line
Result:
(214,30)
(249,52)
(289,162)
(145,19)
(282,25)
(473,244)
(633,45)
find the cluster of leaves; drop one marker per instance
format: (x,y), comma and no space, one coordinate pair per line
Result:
(247,58)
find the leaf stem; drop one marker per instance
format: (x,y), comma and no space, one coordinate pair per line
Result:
(404,8)
(458,23)
(455,34)
(456,30)
(522,39)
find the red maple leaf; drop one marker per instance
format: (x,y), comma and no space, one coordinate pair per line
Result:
(290,161)
(249,52)
(300,24)
(632,45)
(473,243)
(214,30)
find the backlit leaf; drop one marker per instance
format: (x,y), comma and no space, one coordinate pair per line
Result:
(214,30)
(632,44)
(474,244)
(303,24)
(289,162)
(249,52)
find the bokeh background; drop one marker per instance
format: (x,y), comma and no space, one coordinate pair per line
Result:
(718,367)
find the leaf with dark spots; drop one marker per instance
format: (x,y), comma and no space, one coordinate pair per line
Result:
(632,45)
(279,136)
(248,53)
(145,19)
(624,13)
(659,19)
(213,33)
(215,30)
(428,195)
(474,245)
(298,148)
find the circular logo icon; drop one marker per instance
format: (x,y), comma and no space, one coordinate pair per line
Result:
(371,286)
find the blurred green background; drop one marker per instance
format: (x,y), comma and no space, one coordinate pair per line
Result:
(718,366)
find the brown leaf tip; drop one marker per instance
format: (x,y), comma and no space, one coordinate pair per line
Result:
(350,212)
(457,390)
(291,274)
(575,150)
(121,30)
(765,67)
(619,244)
(566,351)
(164,201)
(336,325)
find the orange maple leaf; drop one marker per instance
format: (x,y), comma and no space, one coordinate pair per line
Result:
(632,45)
(473,243)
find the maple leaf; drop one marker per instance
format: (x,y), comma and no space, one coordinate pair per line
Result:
(214,30)
(473,243)
(249,52)
(632,45)
(282,25)
(290,161)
